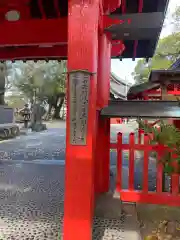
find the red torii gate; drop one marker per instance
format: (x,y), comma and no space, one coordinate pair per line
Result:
(87,167)
(82,40)
(82,37)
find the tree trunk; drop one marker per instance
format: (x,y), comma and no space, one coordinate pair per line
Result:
(2,82)
(48,113)
(58,109)
(2,99)
(50,109)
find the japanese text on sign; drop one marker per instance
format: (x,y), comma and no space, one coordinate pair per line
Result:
(79,99)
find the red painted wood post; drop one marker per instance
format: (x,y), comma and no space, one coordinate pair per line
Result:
(159,178)
(175,186)
(102,156)
(140,134)
(119,163)
(175,177)
(102,165)
(131,161)
(145,164)
(79,175)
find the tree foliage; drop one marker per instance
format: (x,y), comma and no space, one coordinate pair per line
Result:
(176,19)
(167,52)
(16,101)
(169,136)
(6,79)
(169,48)
(43,81)
(141,71)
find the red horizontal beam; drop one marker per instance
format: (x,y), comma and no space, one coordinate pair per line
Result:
(150,197)
(37,53)
(139,147)
(34,53)
(154,91)
(175,92)
(34,32)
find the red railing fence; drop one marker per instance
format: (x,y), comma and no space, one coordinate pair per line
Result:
(142,144)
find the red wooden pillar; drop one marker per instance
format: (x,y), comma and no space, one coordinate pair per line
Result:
(102,166)
(79,175)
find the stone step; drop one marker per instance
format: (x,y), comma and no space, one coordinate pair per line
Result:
(114,219)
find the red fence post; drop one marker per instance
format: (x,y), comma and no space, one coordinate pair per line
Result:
(175,178)
(140,134)
(159,177)
(119,162)
(131,161)
(175,184)
(144,196)
(145,163)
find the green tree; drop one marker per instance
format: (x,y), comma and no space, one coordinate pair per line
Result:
(43,81)
(167,52)
(2,82)
(176,19)
(141,71)
(167,135)
(168,49)
(6,78)
(16,101)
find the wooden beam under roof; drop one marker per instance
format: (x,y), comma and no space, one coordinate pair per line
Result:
(142,109)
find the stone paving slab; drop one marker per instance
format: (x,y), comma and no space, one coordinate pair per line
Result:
(109,206)
(31,201)
(31,194)
(32,205)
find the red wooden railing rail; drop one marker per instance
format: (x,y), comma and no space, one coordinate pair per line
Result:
(130,194)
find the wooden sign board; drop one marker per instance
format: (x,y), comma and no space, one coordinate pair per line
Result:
(79,84)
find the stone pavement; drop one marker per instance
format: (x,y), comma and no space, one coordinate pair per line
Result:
(32,191)
(50,145)
(31,206)
(125,224)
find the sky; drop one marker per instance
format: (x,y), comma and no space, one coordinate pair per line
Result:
(125,67)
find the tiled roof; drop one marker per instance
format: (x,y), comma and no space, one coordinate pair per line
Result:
(139,88)
(119,87)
